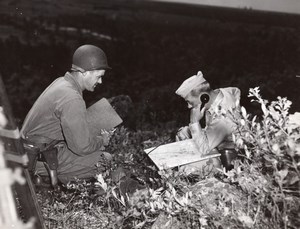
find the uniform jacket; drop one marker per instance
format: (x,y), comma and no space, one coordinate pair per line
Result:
(219,122)
(60,114)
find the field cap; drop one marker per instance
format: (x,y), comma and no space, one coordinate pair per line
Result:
(191,83)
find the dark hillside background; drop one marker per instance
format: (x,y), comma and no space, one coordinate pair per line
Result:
(152,48)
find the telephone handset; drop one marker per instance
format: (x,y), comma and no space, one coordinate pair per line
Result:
(204,99)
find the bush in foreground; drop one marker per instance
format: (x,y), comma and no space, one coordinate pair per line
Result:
(262,191)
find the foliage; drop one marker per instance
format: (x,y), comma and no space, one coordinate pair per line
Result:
(269,172)
(261,191)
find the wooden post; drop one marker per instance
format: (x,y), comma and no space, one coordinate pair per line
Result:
(25,193)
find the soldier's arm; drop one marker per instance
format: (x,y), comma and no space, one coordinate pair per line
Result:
(75,129)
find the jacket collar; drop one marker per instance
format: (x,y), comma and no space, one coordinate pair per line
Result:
(68,77)
(217,102)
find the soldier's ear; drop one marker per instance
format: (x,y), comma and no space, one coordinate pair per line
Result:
(84,73)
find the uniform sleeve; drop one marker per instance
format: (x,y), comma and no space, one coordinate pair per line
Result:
(75,129)
(200,138)
(209,138)
(183,133)
(219,130)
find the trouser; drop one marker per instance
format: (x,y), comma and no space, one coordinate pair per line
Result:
(71,165)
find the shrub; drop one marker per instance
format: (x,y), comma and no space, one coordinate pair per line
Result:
(269,172)
(261,191)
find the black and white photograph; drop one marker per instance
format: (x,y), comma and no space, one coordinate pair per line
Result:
(150,114)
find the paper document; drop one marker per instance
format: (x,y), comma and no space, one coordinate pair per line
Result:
(102,116)
(176,154)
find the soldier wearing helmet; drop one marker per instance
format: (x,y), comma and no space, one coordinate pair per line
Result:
(58,118)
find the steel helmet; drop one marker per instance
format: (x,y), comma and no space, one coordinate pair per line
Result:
(88,58)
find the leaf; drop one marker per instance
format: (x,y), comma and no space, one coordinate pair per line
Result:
(269,159)
(179,202)
(233,137)
(123,200)
(226,211)
(283,173)
(140,225)
(264,109)
(254,119)
(295,119)
(101,182)
(156,193)
(244,112)
(242,121)
(152,207)
(203,221)
(293,178)
(61,206)
(114,193)
(248,153)
(173,191)
(246,220)
(239,142)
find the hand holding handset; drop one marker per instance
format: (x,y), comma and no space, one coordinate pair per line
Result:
(197,113)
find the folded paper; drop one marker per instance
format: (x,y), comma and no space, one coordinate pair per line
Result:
(102,116)
(177,154)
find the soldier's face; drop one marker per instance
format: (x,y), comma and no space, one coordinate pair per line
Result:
(92,78)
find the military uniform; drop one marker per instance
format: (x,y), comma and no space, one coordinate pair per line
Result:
(60,114)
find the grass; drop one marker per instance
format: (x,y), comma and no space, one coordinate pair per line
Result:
(261,191)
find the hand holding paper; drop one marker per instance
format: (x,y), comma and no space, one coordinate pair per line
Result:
(105,136)
(102,116)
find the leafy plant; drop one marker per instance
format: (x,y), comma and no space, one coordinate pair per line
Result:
(269,172)
(261,191)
